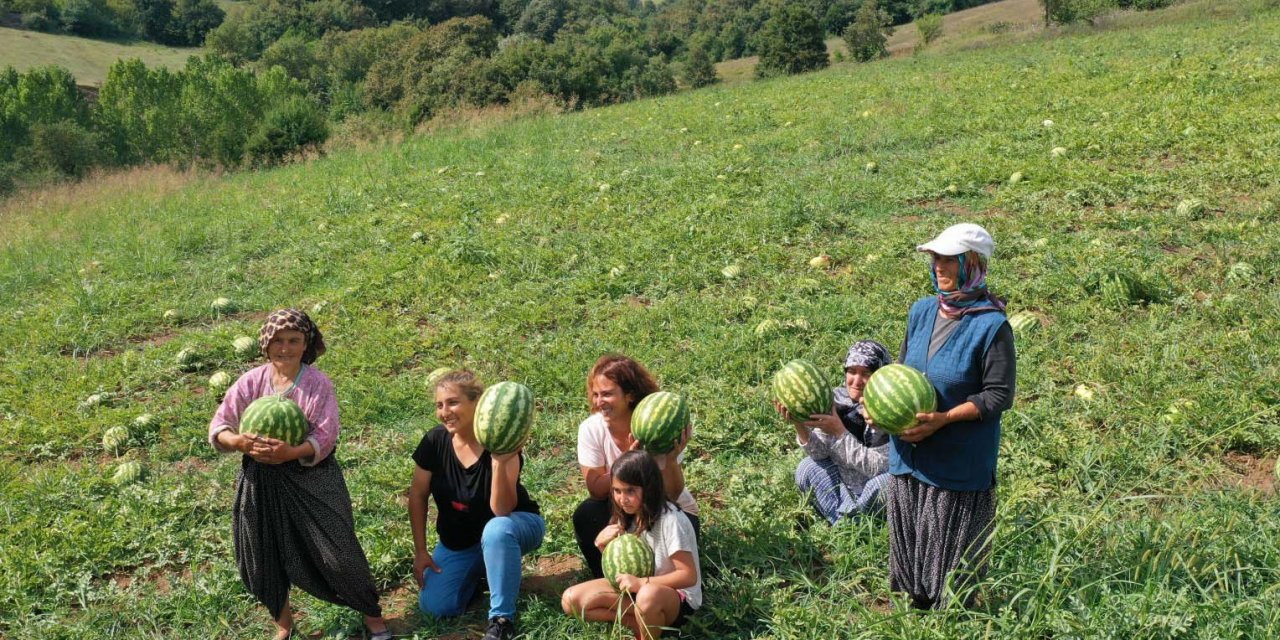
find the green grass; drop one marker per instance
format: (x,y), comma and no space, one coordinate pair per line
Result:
(88,60)
(1135,514)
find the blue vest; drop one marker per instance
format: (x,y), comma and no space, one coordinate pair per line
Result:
(962,455)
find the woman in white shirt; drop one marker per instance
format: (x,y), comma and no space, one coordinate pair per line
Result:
(615,386)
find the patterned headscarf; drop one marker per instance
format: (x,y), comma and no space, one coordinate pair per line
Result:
(293,319)
(973,295)
(867,353)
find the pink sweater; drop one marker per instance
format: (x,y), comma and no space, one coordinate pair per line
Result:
(314,394)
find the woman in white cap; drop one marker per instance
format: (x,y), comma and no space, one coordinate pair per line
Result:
(846,462)
(942,495)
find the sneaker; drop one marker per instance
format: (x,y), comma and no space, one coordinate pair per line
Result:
(500,628)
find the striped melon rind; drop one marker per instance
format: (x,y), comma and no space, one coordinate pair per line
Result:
(895,394)
(802,390)
(658,421)
(629,554)
(275,417)
(504,417)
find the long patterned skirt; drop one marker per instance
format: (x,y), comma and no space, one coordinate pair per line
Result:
(937,534)
(293,526)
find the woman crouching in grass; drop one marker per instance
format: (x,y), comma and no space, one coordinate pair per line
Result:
(485,519)
(292,516)
(674,592)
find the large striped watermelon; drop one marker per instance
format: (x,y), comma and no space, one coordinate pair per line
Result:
(895,394)
(802,390)
(276,417)
(504,417)
(658,421)
(629,554)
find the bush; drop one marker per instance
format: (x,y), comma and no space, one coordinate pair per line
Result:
(46,20)
(192,21)
(1071,11)
(791,41)
(297,125)
(868,36)
(698,70)
(87,18)
(930,26)
(64,147)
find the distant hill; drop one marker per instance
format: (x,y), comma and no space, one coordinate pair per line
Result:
(962,28)
(87,59)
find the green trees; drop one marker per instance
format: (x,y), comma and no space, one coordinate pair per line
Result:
(791,41)
(930,27)
(866,38)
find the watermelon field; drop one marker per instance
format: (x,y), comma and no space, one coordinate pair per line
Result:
(1130,174)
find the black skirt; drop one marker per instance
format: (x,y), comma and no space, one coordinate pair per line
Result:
(293,526)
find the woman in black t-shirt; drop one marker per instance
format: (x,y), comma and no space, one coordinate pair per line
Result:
(485,519)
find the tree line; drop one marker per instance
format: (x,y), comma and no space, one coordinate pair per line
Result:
(280,73)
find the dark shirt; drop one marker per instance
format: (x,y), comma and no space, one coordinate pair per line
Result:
(854,423)
(461,493)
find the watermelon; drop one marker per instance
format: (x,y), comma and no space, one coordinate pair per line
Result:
(219,382)
(768,327)
(434,377)
(629,554)
(245,346)
(658,420)
(172,315)
(1023,322)
(802,390)
(221,306)
(114,439)
(146,421)
(275,417)
(187,359)
(895,394)
(1190,208)
(504,417)
(127,473)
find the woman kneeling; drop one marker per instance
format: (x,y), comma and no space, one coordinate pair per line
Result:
(646,605)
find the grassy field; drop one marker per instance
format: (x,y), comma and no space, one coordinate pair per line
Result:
(88,60)
(1135,489)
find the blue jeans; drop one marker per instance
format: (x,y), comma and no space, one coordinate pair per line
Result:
(497,556)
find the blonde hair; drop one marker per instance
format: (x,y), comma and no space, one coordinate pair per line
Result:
(463,381)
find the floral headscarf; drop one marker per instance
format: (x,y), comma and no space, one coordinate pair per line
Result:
(867,353)
(973,295)
(293,319)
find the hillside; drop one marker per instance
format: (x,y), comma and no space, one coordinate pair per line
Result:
(987,23)
(1135,494)
(88,60)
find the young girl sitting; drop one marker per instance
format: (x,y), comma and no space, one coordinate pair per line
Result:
(646,605)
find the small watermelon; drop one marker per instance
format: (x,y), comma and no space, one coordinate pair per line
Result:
(187,359)
(172,315)
(658,420)
(146,421)
(219,382)
(504,417)
(222,306)
(895,394)
(245,346)
(127,473)
(434,377)
(275,417)
(802,390)
(627,554)
(114,439)
(1023,322)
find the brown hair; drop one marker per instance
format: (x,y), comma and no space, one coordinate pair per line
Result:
(629,375)
(639,469)
(464,381)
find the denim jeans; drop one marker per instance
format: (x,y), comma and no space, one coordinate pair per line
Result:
(497,556)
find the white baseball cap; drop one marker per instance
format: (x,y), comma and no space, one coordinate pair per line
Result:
(961,238)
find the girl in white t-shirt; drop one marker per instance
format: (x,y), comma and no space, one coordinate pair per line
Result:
(615,385)
(674,592)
